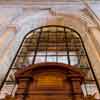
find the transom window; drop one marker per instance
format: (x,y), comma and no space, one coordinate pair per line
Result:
(53,44)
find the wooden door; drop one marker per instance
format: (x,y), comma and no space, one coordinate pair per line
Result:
(49,82)
(50,86)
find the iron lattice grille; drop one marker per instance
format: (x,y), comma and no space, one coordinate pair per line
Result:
(52,44)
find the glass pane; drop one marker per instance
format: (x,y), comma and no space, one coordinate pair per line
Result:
(31,54)
(62,53)
(6,90)
(11,76)
(45,29)
(60,29)
(30,60)
(51,44)
(41,53)
(51,53)
(39,59)
(72,53)
(62,59)
(84,61)
(73,60)
(52,29)
(60,36)
(90,89)
(51,58)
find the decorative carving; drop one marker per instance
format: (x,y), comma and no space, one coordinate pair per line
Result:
(51,80)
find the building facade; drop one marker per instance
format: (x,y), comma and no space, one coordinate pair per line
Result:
(22,20)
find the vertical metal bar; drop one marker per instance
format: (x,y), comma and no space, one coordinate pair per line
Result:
(47,47)
(79,57)
(66,40)
(56,46)
(37,45)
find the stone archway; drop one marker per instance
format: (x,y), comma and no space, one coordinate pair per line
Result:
(27,25)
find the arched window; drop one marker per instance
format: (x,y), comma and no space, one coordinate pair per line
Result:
(52,44)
